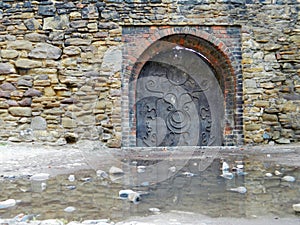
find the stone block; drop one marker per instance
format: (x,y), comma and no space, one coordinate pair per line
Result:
(267,85)
(250,83)
(78,41)
(25,102)
(262,103)
(60,22)
(32,93)
(283,141)
(8,54)
(6,68)
(288,107)
(252,127)
(28,63)
(45,51)
(68,122)
(72,50)
(7,87)
(38,123)
(32,24)
(20,111)
(270,117)
(20,45)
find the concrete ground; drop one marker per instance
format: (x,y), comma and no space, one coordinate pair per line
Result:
(28,158)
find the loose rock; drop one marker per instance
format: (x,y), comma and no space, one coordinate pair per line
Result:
(115,170)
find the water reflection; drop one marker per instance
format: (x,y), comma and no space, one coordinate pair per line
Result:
(188,189)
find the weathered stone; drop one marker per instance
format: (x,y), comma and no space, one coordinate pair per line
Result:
(271,47)
(12,103)
(23,82)
(75,15)
(289,107)
(45,51)
(7,68)
(25,102)
(38,123)
(68,122)
(77,41)
(296,207)
(46,10)
(8,54)
(263,104)
(20,111)
(60,22)
(269,117)
(54,111)
(32,93)
(270,57)
(56,36)
(295,38)
(7,87)
(28,63)
(32,24)
(48,91)
(69,101)
(252,127)
(250,83)
(90,12)
(112,60)
(35,37)
(283,141)
(16,94)
(3,105)
(78,24)
(72,50)
(20,45)
(267,85)
(272,110)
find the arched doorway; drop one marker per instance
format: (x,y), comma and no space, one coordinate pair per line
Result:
(179,101)
(207,57)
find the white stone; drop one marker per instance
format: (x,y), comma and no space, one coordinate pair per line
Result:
(112,60)
(40,177)
(296,207)
(102,174)
(71,178)
(115,170)
(288,178)
(155,210)
(268,174)
(8,203)
(70,209)
(172,169)
(227,175)
(277,173)
(241,190)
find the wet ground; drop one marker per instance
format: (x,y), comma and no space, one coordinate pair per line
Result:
(176,186)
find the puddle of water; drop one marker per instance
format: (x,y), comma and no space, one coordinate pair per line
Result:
(206,192)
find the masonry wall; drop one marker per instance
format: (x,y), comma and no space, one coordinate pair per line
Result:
(61,64)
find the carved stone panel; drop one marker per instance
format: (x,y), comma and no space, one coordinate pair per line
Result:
(172,107)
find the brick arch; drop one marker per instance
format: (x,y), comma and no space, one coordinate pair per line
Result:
(217,54)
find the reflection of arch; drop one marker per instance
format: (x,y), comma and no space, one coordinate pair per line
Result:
(213,50)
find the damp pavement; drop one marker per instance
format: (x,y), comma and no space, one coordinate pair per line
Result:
(27,159)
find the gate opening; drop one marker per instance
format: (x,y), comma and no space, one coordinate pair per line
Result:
(181,89)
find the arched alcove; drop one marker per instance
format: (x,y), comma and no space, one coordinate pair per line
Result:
(176,71)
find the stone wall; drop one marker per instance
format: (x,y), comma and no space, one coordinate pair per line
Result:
(61,64)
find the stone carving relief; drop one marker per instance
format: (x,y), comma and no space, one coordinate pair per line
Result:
(172,108)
